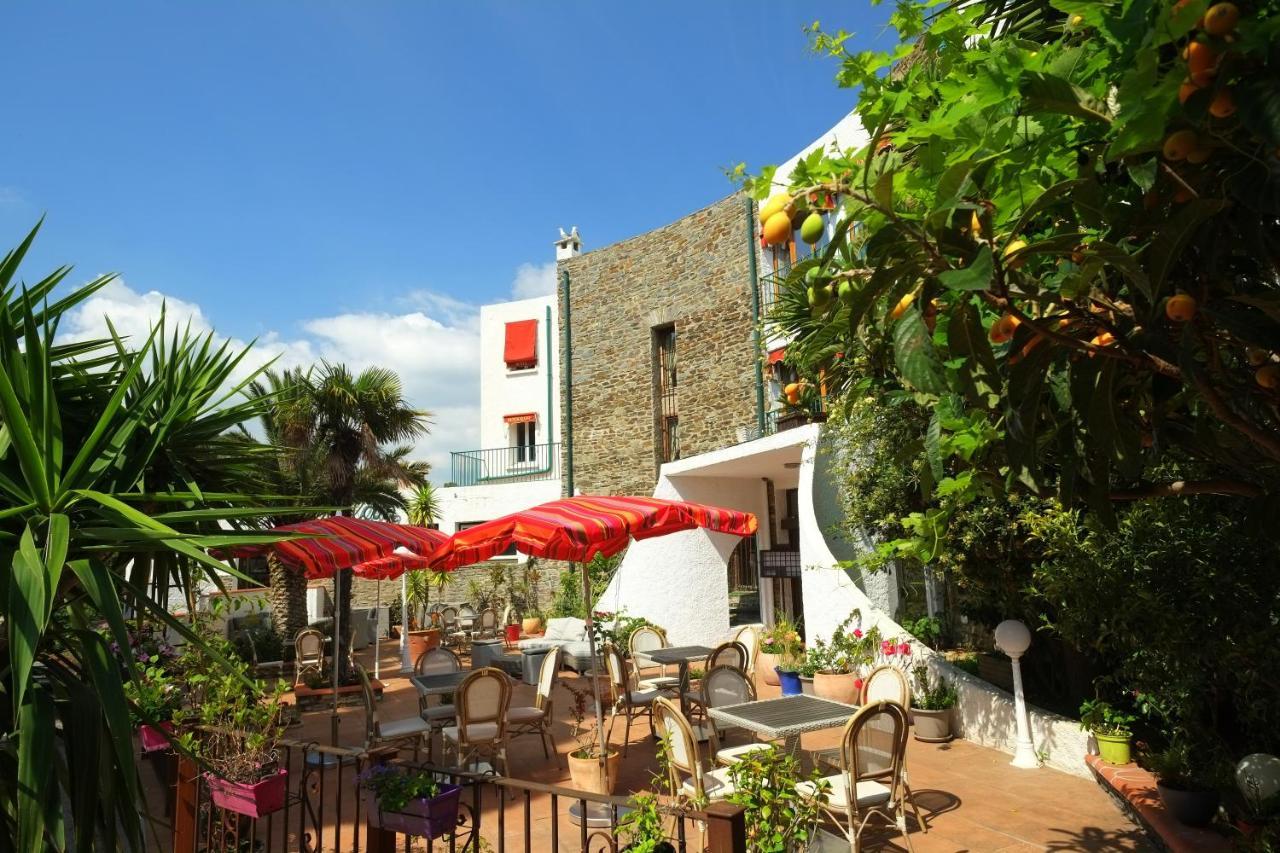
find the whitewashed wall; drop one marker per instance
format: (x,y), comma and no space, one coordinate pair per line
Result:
(483,502)
(504,392)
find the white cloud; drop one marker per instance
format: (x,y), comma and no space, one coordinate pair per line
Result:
(435,351)
(534,280)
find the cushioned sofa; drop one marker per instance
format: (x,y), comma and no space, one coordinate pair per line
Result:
(570,634)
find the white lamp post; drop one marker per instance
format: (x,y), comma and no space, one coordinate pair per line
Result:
(1014,638)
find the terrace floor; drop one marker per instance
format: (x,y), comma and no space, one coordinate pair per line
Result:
(972,799)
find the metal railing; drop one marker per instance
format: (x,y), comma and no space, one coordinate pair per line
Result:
(491,466)
(324,810)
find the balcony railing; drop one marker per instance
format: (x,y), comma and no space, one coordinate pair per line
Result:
(497,465)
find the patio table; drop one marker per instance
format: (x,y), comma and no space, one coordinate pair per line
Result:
(786,717)
(439,684)
(680,656)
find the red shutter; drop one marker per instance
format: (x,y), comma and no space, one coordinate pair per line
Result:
(522,418)
(777,355)
(521,348)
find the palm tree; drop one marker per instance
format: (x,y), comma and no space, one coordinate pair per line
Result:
(423,506)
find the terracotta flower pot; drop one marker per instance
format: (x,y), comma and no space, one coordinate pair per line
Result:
(585,772)
(429,818)
(531,625)
(836,686)
(253,799)
(931,726)
(766,664)
(420,642)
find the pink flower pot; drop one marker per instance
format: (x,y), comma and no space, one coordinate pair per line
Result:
(428,818)
(251,799)
(153,737)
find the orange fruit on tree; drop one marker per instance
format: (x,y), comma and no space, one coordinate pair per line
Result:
(1003,328)
(1268,377)
(777,229)
(903,304)
(1179,144)
(1202,62)
(1105,339)
(1180,308)
(1012,259)
(1223,104)
(1221,18)
(1257,356)
(776,202)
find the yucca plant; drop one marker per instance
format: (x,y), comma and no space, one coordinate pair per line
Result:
(117,464)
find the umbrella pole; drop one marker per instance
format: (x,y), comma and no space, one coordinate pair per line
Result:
(595,679)
(337,648)
(377,633)
(406,665)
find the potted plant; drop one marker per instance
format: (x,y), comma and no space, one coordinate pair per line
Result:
(240,724)
(788,670)
(931,705)
(154,698)
(781,639)
(410,801)
(839,660)
(1179,781)
(1110,728)
(778,817)
(585,766)
(419,585)
(809,665)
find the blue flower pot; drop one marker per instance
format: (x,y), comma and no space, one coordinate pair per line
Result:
(789,681)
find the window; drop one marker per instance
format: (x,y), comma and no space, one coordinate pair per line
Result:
(526,437)
(668,415)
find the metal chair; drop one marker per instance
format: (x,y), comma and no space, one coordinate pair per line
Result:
(536,719)
(627,701)
(870,783)
(482,700)
(683,757)
(450,631)
(437,661)
(726,685)
(399,732)
(486,625)
(749,637)
(308,651)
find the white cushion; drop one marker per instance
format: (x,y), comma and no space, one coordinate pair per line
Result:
(403,728)
(643,697)
(577,648)
(869,793)
(565,628)
(526,714)
(537,644)
(475,731)
(734,754)
(716,784)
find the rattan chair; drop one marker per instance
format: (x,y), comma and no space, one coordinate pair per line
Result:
(437,661)
(726,685)
(870,783)
(486,625)
(627,700)
(308,651)
(405,731)
(536,719)
(683,757)
(649,638)
(482,701)
(732,654)
(749,637)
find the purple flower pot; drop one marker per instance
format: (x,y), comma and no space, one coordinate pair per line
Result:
(153,737)
(789,682)
(430,818)
(251,799)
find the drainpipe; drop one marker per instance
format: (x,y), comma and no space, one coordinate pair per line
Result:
(566,370)
(755,312)
(550,409)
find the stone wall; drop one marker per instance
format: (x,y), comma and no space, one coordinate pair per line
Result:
(692,273)
(364,592)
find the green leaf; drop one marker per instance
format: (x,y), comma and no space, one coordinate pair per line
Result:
(1047,93)
(1047,199)
(914,354)
(932,445)
(28,606)
(35,746)
(1172,238)
(976,276)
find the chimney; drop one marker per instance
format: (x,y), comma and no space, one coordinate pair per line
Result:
(569,245)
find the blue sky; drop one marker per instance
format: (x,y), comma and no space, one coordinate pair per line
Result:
(271,167)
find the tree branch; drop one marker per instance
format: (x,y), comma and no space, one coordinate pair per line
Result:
(1267,441)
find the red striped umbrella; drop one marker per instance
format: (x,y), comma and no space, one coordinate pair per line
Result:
(579,528)
(390,568)
(341,542)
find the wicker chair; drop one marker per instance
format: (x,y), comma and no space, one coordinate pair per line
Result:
(726,685)
(536,719)
(649,638)
(482,700)
(308,651)
(683,758)
(627,700)
(437,661)
(406,731)
(732,654)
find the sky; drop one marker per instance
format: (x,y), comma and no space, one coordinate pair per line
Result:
(350,180)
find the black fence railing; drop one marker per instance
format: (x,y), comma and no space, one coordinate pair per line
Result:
(518,464)
(324,810)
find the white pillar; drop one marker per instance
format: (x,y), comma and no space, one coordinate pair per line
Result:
(1014,638)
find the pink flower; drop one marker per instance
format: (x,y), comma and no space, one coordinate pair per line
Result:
(857,632)
(904,649)
(887,648)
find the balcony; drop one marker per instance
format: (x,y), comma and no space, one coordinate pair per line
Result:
(501,465)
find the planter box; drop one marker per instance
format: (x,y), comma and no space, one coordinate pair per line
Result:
(153,738)
(251,799)
(931,726)
(428,818)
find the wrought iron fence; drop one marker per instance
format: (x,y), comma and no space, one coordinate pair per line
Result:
(518,464)
(324,810)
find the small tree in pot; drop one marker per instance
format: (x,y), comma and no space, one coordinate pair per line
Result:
(840,661)
(931,705)
(584,760)
(1184,778)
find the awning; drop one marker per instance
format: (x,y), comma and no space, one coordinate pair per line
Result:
(522,418)
(777,355)
(522,344)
